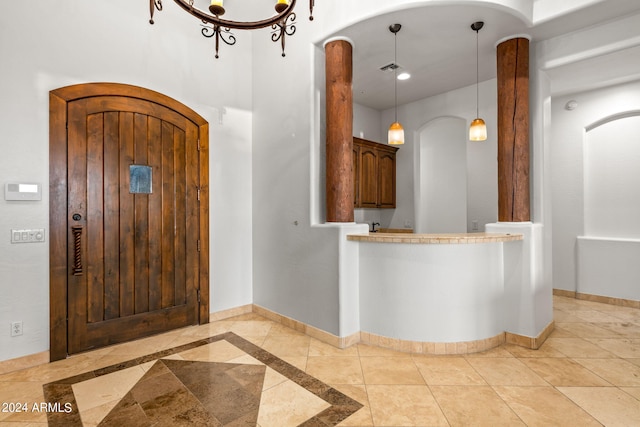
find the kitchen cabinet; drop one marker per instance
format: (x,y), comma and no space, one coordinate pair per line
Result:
(374,169)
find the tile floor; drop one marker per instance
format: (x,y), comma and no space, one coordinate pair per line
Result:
(587,373)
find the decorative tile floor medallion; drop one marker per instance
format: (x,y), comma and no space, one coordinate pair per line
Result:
(169,388)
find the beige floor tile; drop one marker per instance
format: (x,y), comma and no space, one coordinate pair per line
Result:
(494,352)
(523,352)
(623,329)
(561,333)
(208,330)
(618,372)
(594,316)
(589,330)
(54,371)
(108,388)
(404,405)
(635,361)
(280,329)
(247,317)
(390,370)
(578,347)
(219,351)
(29,393)
(474,406)
(362,417)
(609,405)
(92,417)
(283,345)
(365,350)
(336,370)
(627,348)
(318,348)
(633,391)
(544,407)
(245,359)
(288,404)
(447,371)
(252,327)
(564,372)
(272,379)
(506,371)
(563,316)
(626,314)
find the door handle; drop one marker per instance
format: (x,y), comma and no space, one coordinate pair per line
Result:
(77,250)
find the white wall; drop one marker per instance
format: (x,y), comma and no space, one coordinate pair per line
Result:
(567,167)
(612,179)
(68,42)
(441,204)
(482,165)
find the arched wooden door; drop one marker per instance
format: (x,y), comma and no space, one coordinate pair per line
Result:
(128,216)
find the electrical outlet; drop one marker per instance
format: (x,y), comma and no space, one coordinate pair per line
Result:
(474,225)
(16,328)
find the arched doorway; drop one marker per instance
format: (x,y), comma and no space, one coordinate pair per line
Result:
(128,216)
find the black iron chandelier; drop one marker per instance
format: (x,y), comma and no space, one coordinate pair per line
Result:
(282,24)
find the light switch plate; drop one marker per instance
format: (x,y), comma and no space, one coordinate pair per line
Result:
(33,235)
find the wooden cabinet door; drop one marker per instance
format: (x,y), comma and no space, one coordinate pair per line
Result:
(356,176)
(368,177)
(386,180)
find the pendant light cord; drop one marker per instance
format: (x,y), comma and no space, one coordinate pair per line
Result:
(395,73)
(477,77)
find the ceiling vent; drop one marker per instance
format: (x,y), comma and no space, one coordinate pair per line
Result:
(390,67)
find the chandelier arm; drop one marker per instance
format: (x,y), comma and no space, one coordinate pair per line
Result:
(219,34)
(283,29)
(237,25)
(153,5)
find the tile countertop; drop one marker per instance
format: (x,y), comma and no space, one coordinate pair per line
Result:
(441,238)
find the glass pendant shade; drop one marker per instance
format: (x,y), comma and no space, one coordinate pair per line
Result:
(477,130)
(396,134)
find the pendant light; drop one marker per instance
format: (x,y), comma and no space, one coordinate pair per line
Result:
(478,128)
(396,132)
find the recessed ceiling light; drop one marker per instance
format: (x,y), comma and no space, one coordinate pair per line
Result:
(404,76)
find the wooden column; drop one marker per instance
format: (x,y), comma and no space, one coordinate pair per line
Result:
(339,156)
(513,131)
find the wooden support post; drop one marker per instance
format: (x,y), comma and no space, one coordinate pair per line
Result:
(513,130)
(339,154)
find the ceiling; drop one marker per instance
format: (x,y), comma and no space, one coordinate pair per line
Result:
(438,48)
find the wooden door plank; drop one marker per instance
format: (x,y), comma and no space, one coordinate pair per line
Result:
(111,216)
(168,218)
(202,141)
(77,190)
(58,262)
(180,249)
(127,217)
(141,207)
(95,218)
(191,220)
(155,220)
(136,326)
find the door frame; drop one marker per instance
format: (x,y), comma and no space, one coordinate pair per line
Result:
(58,254)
